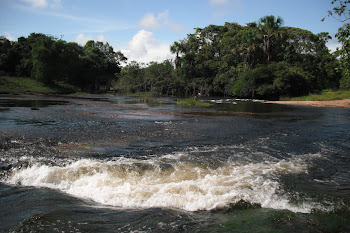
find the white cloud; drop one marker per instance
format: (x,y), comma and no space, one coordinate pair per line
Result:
(82,39)
(145,48)
(37,3)
(54,4)
(163,17)
(219,2)
(101,38)
(153,21)
(333,44)
(86,24)
(149,21)
(9,36)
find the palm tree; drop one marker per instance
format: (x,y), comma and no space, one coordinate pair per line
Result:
(251,47)
(270,27)
(177,48)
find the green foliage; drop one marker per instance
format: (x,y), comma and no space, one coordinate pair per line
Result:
(238,89)
(9,56)
(51,61)
(87,94)
(23,85)
(345,80)
(141,95)
(193,102)
(255,83)
(343,36)
(260,60)
(270,28)
(341,12)
(131,78)
(270,82)
(223,83)
(325,95)
(291,81)
(157,77)
(44,60)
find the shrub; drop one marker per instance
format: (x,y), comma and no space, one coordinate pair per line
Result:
(193,102)
(292,81)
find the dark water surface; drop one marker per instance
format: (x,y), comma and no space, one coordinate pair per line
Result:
(121,164)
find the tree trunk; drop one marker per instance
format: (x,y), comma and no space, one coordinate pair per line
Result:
(177,61)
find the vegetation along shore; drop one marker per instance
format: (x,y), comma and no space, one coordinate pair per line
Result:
(327,98)
(259,60)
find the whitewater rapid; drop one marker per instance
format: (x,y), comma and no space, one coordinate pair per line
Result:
(170,181)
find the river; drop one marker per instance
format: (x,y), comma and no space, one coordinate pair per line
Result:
(124,164)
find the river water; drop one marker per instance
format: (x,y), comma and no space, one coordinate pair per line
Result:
(123,164)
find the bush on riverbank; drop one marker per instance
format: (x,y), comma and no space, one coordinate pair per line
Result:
(19,85)
(325,95)
(192,102)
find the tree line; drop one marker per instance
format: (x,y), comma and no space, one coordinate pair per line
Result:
(55,62)
(262,60)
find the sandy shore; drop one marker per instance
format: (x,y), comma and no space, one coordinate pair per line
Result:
(333,103)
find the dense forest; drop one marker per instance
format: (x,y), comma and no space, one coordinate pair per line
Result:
(56,62)
(261,60)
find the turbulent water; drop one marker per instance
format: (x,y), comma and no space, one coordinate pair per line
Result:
(121,164)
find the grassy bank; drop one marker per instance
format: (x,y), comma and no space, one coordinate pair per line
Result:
(87,94)
(142,95)
(325,95)
(192,102)
(146,97)
(20,85)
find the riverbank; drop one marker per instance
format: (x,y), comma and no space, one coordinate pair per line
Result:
(23,85)
(20,85)
(332,103)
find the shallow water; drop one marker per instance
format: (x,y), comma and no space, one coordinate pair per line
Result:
(119,164)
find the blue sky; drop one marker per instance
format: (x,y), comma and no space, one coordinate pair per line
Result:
(144,29)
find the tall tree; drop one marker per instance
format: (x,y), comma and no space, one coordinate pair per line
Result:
(249,42)
(101,64)
(44,59)
(270,27)
(341,12)
(9,56)
(177,48)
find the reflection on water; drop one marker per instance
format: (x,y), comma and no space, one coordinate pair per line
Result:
(30,103)
(8,122)
(251,106)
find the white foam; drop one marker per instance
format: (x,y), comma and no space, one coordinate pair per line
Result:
(190,186)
